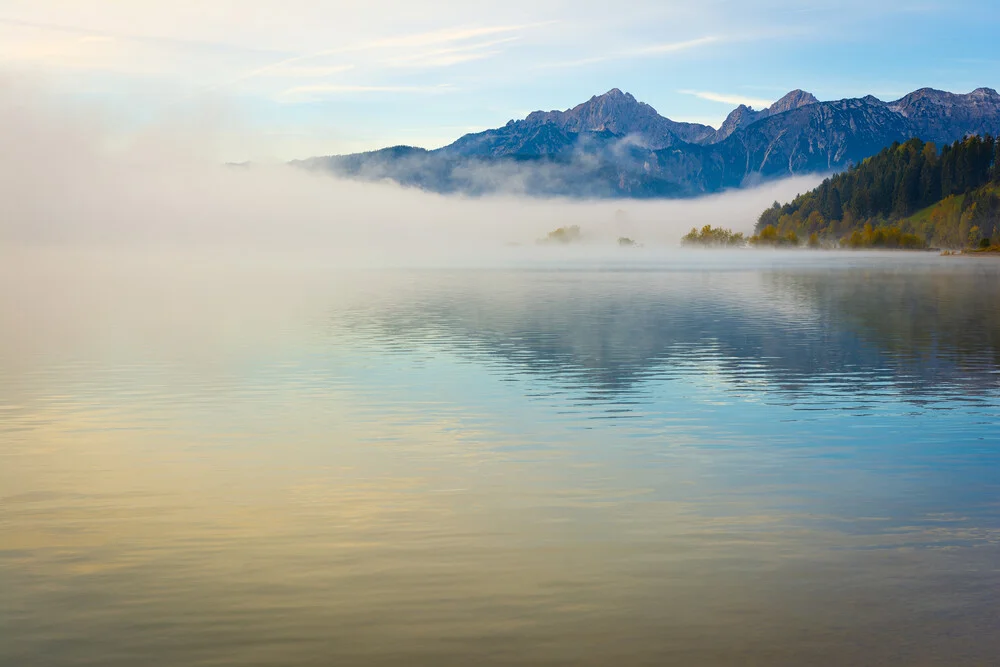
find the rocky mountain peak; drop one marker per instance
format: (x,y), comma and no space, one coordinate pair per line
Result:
(923,95)
(612,104)
(743,116)
(938,116)
(793,100)
(631,150)
(738,117)
(988,93)
(920,101)
(614,93)
(620,114)
(594,114)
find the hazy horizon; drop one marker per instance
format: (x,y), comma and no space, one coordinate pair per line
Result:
(162,189)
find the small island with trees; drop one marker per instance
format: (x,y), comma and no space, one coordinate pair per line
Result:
(714,237)
(562,236)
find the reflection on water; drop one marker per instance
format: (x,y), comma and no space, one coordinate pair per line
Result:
(778,463)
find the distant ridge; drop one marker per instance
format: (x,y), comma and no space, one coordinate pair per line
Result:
(744,116)
(613,145)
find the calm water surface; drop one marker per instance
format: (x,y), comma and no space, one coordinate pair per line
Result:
(740,460)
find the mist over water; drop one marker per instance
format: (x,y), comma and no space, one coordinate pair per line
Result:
(71,180)
(256,416)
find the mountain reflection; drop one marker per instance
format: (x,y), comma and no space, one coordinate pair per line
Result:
(900,326)
(710,466)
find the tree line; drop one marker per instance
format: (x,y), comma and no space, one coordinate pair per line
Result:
(908,195)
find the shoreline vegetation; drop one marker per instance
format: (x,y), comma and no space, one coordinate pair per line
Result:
(714,237)
(910,196)
(869,238)
(985,251)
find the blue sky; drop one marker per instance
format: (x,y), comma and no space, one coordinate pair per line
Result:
(305,77)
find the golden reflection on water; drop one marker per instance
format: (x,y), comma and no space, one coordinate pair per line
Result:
(202,486)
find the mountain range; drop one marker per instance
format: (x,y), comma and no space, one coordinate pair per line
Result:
(616,146)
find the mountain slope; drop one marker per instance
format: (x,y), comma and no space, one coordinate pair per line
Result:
(941,117)
(948,199)
(615,146)
(622,115)
(612,115)
(744,116)
(814,138)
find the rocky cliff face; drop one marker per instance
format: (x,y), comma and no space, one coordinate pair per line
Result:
(614,113)
(615,146)
(622,115)
(744,116)
(823,136)
(941,117)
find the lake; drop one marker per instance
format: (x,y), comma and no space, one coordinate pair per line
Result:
(744,458)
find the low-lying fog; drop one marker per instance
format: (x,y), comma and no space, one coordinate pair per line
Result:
(68,179)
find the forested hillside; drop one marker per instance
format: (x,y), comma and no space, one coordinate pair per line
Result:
(908,195)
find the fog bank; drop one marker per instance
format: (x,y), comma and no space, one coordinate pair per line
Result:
(69,180)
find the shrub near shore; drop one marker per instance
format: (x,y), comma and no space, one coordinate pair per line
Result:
(714,237)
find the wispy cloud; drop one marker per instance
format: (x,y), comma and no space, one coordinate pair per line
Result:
(674,47)
(582,62)
(175,42)
(319,91)
(446,36)
(724,98)
(308,72)
(649,51)
(442,57)
(57,48)
(449,56)
(80,52)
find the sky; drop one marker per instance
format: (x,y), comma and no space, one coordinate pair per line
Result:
(283,79)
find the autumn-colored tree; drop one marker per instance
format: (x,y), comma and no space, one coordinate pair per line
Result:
(890,189)
(714,237)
